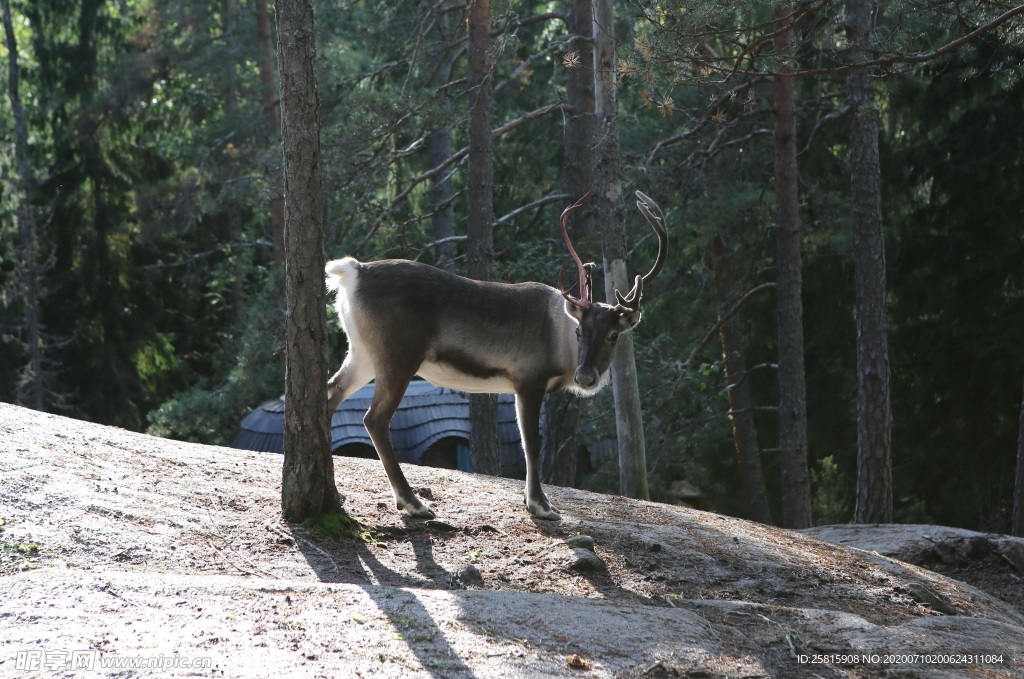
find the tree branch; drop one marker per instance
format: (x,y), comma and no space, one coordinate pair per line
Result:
(704,122)
(891,60)
(455,157)
(532,19)
(537,203)
(722,320)
(209,253)
(748,371)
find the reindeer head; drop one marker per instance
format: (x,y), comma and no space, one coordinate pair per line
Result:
(601,324)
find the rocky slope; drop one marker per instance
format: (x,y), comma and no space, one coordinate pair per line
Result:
(120,548)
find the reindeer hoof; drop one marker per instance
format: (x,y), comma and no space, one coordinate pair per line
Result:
(416,509)
(542,511)
(423,513)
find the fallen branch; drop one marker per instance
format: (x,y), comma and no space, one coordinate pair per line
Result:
(256,569)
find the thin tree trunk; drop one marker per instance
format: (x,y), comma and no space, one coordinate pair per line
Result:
(442,209)
(625,391)
(234,210)
(560,446)
(238,285)
(308,487)
(560,443)
(269,99)
(1018,486)
(874,417)
(744,431)
(483,408)
(443,218)
(796,487)
(580,159)
(30,384)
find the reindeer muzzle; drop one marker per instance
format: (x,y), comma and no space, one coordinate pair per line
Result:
(585,377)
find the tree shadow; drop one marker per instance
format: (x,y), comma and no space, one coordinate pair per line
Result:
(353,561)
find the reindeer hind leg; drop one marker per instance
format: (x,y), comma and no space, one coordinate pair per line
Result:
(390,388)
(354,374)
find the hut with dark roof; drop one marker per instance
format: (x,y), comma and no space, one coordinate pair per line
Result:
(431,428)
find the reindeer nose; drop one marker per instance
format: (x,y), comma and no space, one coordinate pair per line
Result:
(585,378)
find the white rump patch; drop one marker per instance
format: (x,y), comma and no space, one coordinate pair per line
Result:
(342,273)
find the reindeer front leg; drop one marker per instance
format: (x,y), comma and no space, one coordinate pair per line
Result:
(528,403)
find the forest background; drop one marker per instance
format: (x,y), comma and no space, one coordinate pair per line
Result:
(141,210)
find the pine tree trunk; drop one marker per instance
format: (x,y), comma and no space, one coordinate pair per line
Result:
(269,99)
(560,445)
(234,208)
(443,218)
(744,431)
(580,158)
(874,417)
(30,383)
(483,408)
(796,487)
(1018,486)
(308,487)
(629,424)
(443,212)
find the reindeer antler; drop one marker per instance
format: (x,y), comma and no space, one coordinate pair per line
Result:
(585,295)
(656,218)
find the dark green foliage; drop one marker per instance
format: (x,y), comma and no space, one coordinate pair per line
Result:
(833,500)
(147,127)
(249,370)
(958,285)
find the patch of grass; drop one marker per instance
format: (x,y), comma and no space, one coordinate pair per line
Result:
(337,525)
(420,637)
(332,525)
(23,548)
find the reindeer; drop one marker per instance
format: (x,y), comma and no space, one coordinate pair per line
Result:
(405,318)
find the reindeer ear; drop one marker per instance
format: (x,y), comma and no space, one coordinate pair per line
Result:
(574,311)
(628,318)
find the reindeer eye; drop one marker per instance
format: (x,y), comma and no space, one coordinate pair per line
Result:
(613,337)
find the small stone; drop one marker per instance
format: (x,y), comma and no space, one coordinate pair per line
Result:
(440,525)
(581,541)
(586,561)
(469,576)
(1012,550)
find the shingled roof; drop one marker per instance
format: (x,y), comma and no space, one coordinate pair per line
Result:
(426,416)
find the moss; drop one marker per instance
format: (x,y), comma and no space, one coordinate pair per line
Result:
(337,525)
(333,525)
